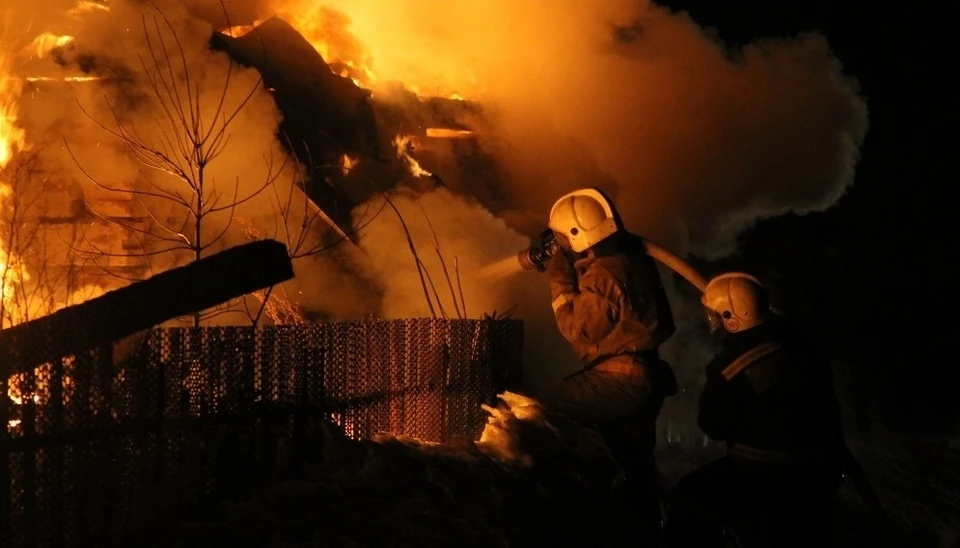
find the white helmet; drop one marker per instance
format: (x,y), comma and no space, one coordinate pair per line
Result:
(584,217)
(735,300)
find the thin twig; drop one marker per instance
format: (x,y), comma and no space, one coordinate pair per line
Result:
(433,288)
(443,264)
(416,257)
(456,270)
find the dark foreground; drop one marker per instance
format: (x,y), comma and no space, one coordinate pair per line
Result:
(531,481)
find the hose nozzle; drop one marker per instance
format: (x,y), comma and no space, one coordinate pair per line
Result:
(536,256)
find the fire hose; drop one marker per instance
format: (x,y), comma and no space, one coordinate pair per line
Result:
(536,256)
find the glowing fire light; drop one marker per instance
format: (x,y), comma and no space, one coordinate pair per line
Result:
(34,79)
(328,33)
(444,133)
(312,30)
(12,139)
(46,42)
(11,136)
(87,6)
(347,164)
(334,36)
(239,31)
(404,148)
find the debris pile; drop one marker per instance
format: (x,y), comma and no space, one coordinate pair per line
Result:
(532,480)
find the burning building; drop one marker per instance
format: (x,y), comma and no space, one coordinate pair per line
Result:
(473,119)
(134,138)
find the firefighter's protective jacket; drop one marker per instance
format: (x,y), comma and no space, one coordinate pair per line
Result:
(611,305)
(781,407)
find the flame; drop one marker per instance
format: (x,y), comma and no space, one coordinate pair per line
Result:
(239,31)
(15,393)
(329,32)
(11,136)
(35,79)
(47,42)
(364,36)
(42,375)
(87,6)
(347,164)
(446,133)
(404,148)
(12,139)
(337,39)
(12,272)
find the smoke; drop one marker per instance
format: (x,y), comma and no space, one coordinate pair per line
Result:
(470,239)
(451,263)
(148,72)
(695,141)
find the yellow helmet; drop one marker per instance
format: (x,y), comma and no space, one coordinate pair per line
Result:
(584,217)
(735,300)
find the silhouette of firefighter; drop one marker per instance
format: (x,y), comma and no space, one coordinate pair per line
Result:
(770,396)
(611,306)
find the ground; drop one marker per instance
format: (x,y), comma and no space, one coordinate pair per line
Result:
(536,480)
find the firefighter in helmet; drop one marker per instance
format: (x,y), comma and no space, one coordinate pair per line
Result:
(610,305)
(770,397)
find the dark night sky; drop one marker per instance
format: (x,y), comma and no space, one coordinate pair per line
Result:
(870,274)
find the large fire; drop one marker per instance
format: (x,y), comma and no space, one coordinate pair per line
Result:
(12,139)
(15,307)
(11,136)
(344,43)
(333,35)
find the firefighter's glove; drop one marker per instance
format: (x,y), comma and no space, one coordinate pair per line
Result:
(562,274)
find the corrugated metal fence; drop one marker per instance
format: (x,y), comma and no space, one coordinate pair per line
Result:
(106,450)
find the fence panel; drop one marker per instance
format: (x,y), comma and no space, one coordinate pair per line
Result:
(97,450)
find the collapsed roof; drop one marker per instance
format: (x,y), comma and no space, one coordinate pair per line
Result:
(327,116)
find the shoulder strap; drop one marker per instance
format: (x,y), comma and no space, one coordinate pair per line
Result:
(747,358)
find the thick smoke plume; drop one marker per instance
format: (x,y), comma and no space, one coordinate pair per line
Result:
(694,140)
(146,70)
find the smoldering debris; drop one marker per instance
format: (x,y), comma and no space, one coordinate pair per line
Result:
(533,479)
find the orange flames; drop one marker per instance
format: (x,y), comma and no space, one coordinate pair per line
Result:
(325,32)
(335,37)
(12,273)
(445,133)
(47,42)
(332,33)
(347,163)
(74,79)
(12,139)
(11,136)
(404,147)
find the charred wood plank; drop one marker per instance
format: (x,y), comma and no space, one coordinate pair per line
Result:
(200,285)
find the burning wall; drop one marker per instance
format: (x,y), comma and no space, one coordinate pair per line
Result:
(695,140)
